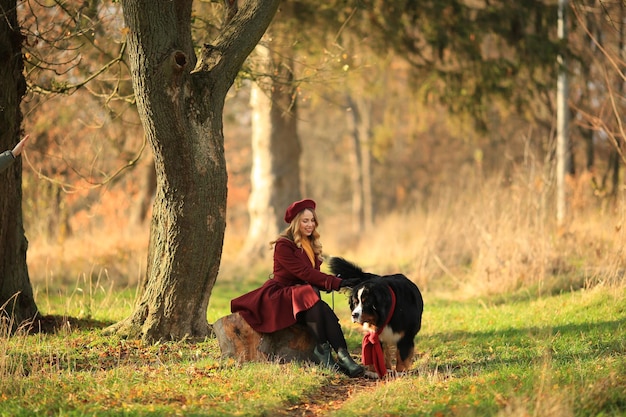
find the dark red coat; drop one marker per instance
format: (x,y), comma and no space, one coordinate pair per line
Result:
(275,305)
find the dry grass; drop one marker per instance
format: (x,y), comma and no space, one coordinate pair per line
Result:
(499,236)
(488,236)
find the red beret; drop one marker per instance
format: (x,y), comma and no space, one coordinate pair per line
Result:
(297,207)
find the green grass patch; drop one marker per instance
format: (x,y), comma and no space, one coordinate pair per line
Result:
(559,355)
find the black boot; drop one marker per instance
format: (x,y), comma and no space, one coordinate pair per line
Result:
(323,355)
(348,365)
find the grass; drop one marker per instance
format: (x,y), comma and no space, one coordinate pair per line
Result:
(558,355)
(523,317)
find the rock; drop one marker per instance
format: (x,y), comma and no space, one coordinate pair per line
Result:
(239,341)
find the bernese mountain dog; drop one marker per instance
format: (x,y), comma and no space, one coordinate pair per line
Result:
(389,306)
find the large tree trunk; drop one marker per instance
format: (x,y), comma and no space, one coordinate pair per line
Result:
(181,111)
(17,304)
(275,175)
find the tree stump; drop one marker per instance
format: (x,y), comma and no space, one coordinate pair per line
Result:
(240,341)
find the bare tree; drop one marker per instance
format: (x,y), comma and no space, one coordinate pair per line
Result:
(180,98)
(599,106)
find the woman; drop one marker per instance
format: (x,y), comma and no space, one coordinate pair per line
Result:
(292,294)
(7,157)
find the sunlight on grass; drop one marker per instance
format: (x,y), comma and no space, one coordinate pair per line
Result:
(558,355)
(98,376)
(481,361)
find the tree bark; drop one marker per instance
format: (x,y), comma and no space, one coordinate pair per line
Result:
(180,105)
(147,189)
(17,304)
(276,150)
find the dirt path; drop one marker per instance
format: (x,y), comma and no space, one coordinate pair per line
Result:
(328,398)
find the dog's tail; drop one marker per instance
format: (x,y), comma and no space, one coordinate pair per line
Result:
(346,269)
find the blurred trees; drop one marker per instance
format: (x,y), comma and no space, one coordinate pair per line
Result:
(276,149)
(278,70)
(80,111)
(465,54)
(597,91)
(491,65)
(462,54)
(484,64)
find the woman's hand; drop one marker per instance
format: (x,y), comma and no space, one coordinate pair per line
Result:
(20,146)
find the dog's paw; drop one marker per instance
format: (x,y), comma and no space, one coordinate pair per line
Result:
(371,375)
(391,373)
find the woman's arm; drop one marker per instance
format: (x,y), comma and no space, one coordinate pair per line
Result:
(7,157)
(297,263)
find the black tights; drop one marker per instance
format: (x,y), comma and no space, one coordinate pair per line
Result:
(324,324)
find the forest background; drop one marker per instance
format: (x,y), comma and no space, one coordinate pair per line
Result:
(462,191)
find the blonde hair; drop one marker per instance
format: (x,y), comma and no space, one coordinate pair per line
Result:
(292,232)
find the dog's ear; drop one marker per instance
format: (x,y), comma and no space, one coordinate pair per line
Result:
(382,300)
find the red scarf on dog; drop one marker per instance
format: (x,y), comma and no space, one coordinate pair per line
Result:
(371,349)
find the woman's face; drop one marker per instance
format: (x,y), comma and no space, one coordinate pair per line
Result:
(307,223)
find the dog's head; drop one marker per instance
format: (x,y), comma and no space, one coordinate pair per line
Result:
(370,303)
